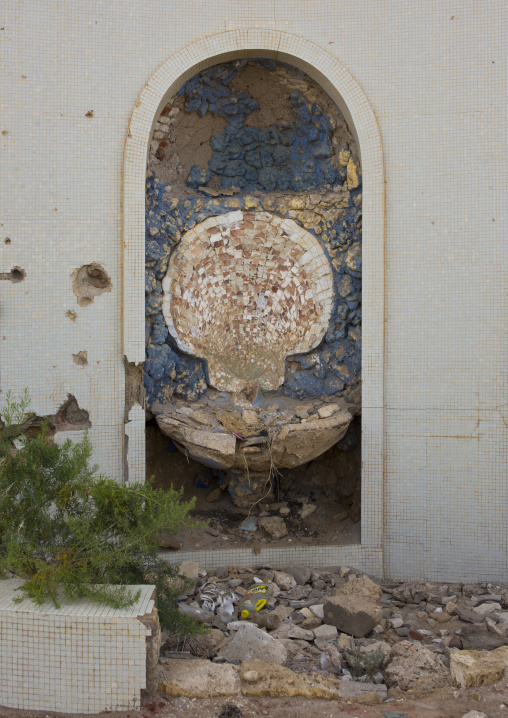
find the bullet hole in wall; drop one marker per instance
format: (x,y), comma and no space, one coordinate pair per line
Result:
(88,282)
(17,274)
(81,358)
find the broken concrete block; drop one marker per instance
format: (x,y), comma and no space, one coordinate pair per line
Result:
(478,668)
(352,614)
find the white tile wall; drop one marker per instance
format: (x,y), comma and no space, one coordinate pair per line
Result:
(95,655)
(429,81)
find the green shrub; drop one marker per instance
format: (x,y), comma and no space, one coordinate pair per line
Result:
(364,664)
(69,532)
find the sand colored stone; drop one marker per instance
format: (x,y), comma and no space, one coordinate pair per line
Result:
(199,679)
(478,668)
(263,679)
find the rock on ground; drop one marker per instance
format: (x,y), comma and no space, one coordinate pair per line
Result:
(201,679)
(478,668)
(189,569)
(326,632)
(250,642)
(476,639)
(284,580)
(274,526)
(414,667)
(361,588)
(262,679)
(301,574)
(352,614)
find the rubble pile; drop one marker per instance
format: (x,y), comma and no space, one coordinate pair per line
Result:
(344,633)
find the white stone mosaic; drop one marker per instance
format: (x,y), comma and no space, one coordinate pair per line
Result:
(94,655)
(243,291)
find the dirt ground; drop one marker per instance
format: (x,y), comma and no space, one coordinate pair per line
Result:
(447,703)
(330,482)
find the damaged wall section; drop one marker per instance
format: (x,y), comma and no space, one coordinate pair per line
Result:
(267,138)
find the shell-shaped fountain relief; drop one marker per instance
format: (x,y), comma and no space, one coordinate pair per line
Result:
(245,290)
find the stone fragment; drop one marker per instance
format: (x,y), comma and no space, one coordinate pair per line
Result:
(466,613)
(478,668)
(414,667)
(284,580)
(477,639)
(324,412)
(204,680)
(250,417)
(485,608)
(307,510)
(311,623)
(396,622)
(301,574)
(352,614)
(189,569)
(440,617)
(294,647)
(250,642)
(493,627)
(274,526)
(318,610)
(345,642)
(361,587)
(300,633)
(451,608)
(262,679)
(283,611)
(326,632)
(403,631)
(455,642)
(330,659)
(475,714)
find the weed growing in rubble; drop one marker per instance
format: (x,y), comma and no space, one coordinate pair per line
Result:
(364,664)
(69,532)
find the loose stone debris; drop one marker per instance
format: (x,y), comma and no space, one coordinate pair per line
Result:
(335,633)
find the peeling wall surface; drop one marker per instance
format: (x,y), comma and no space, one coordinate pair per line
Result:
(435,77)
(284,148)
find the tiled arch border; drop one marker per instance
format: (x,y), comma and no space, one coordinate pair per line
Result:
(354,104)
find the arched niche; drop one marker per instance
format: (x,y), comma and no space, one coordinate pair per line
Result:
(349,96)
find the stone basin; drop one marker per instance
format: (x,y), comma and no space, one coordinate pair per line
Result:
(253,440)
